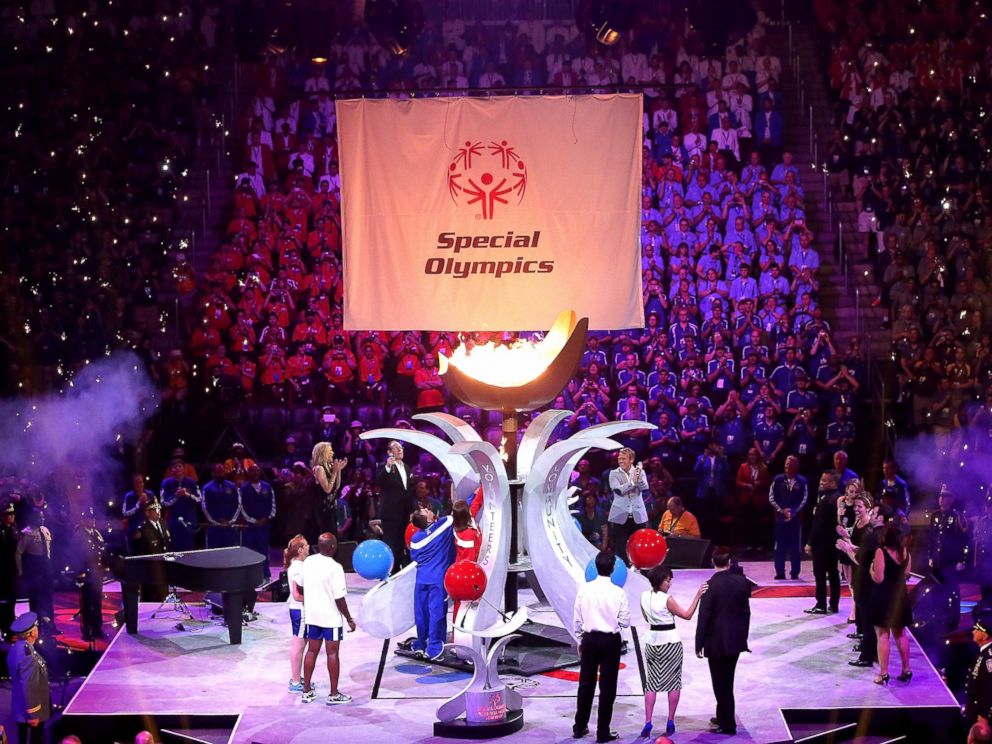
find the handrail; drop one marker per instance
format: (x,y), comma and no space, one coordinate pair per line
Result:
(874,375)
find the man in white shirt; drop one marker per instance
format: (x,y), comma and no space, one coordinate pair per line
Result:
(326,610)
(600,612)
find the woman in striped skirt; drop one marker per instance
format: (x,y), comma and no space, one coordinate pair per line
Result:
(663,646)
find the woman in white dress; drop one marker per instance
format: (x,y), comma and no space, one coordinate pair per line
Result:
(662,645)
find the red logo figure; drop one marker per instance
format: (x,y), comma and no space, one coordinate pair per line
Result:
(486,178)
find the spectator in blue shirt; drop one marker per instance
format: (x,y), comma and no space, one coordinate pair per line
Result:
(731,430)
(769,436)
(893,490)
(712,470)
(844,473)
(801,397)
(695,429)
(773,283)
(665,442)
(743,287)
(721,373)
(801,437)
(784,376)
(840,431)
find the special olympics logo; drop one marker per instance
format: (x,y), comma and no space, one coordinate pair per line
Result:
(486,178)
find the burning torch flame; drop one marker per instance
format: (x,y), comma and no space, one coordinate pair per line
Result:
(515,364)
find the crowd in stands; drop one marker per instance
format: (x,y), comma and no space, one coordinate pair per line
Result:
(99,133)
(735,354)
(911,84)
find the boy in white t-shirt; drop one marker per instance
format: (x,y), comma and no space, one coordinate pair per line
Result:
(326,610)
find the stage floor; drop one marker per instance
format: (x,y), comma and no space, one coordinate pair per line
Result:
(798,661)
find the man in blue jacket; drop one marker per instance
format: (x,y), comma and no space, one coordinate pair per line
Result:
(258,506)
(433,548)
(180,495)
(222,506)
(788,496)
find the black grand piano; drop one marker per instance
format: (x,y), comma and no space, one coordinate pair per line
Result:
(234,572)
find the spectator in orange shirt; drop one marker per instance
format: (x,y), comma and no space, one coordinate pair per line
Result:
(237,465)
(430,386)
(273,363)
(678,520)
(299,375)
(370,375)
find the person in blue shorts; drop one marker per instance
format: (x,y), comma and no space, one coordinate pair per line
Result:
(326,611)
(293,557)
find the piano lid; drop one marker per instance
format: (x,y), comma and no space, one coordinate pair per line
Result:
(233,557)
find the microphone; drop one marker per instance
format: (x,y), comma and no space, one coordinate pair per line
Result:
(184,523)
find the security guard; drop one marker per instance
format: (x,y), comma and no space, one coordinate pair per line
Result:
(948,550)
(89,579)
(978,703)
(31,703)
(9,537)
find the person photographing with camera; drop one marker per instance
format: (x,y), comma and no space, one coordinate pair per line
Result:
(627,512)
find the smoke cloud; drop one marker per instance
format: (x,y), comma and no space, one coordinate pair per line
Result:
(70,443)
(962,463)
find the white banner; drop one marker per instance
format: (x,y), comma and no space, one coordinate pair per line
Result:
(491,213)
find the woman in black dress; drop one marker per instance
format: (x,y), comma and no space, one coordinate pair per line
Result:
(890,612)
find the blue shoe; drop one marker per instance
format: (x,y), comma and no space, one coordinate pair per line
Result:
(669,728)
(646,731)
(295,686)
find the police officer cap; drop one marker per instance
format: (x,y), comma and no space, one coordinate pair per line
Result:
(24,623)
(153,505)
(8,508)
(983,622)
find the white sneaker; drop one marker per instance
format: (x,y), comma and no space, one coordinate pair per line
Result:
(338,699)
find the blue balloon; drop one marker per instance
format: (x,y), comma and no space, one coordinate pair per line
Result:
(618,577)
(372,559)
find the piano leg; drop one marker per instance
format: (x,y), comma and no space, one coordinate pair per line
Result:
(129,594)
(234,606)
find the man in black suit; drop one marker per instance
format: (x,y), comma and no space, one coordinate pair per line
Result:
(395,502)
(822,545)
(154,539)
(721,634)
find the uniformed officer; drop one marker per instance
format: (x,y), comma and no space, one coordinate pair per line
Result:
(978,705)
(981,529)
(948,539)
(8,566)
(92,550)
(31,703)
(34,564)
(154,539)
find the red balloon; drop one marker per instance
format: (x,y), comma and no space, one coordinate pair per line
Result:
(646,548)
(465,581)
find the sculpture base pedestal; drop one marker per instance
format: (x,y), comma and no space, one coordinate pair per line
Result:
(462,729)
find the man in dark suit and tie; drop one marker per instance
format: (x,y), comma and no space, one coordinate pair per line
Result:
(721,634)
(396,502)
